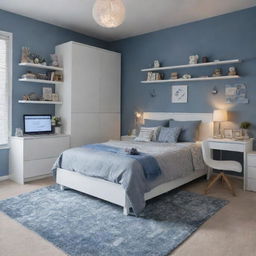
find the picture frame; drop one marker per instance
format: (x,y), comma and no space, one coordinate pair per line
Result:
(237,134)
(47,93)
(228,133)
(179,94)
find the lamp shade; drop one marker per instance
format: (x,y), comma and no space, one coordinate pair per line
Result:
(109,13)
(220,115)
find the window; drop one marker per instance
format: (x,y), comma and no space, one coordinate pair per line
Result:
(5,86)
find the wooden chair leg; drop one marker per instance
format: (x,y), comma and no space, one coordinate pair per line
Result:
(212,182)
(229,184)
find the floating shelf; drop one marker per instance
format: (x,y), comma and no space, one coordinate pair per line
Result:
(222,62)
(39,102)
(191,79)
(32,65)
(41,81)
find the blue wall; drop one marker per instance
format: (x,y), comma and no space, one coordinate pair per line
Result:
(41,38)
(224,37)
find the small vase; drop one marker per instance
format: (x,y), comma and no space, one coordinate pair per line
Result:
(246,136)
(57,130)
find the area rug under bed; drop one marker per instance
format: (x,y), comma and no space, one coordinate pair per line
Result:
(81,225)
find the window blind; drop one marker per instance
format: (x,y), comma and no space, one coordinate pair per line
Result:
(4,89)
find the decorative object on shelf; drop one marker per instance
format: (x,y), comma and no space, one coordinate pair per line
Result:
(55,60)
(18,132)
(55,97)
(180,94)
(217,72)
(47,93)
(232,71)
(204,59)
(236,94)
(31,96)
(152,76)
(29,75)
(186,76)
(214,90)
(193,59)
(219,116)
(159,76)
(109,13)
(174,75)
(25,55)
(56,123)
(58,76)
(37,59)
(237,135)
(245,126)
(41,76)
(228,133)
(149,76)
(156,64)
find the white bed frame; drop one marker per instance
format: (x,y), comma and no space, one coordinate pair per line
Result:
(115,193)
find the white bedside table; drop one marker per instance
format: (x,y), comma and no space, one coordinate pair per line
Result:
(128,138)
(243,146)
(251,171)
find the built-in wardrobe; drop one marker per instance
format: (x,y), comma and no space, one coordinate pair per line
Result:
(90,93)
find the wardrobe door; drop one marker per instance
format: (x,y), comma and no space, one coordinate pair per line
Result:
(85,78)
(110,76)
(109,126)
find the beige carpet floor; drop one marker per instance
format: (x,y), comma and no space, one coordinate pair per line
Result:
(230,232)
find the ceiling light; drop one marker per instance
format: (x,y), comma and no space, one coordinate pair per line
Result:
(109,13)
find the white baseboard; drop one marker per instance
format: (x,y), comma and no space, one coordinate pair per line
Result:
(4,177)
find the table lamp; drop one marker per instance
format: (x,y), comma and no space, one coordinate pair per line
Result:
(219,116)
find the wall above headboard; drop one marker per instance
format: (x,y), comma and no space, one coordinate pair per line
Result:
(230,36)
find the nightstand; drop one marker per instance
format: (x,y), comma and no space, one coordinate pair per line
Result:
(243,146)
(251,171)
(128,138)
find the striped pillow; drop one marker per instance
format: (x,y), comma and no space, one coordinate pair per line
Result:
(145,134)
(169,134)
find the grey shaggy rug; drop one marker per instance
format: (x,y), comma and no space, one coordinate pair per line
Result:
(81,225)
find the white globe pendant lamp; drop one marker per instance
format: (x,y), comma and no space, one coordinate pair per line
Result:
(109,13)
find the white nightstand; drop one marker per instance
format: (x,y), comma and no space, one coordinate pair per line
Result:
(251,171)
(243,146)
(128,138)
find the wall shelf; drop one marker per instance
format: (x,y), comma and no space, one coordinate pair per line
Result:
(193,65)
(191,79)
(39,81)
(39,102)
(32,65)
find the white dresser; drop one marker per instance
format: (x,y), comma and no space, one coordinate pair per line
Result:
(32,157)
(251,171)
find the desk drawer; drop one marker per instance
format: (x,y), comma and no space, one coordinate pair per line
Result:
(38,167)
(226,146)
(251,172)
(42,148)
(251,160)
(251,184)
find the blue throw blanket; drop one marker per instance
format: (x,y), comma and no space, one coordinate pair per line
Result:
(149,163)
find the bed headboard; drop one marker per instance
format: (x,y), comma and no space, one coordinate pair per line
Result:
(205,129)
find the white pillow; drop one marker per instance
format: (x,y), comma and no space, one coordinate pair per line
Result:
(145,134)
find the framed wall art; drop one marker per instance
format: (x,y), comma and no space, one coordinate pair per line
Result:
(179,94)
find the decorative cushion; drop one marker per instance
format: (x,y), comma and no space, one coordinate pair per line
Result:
(155,123)
(169,134)
(189,130)
(145,134)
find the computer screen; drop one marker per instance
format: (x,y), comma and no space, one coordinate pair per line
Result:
(37,124)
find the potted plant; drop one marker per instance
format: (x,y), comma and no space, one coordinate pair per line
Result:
(56,123)
(245,126)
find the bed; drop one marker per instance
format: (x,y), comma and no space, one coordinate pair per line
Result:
(180,163)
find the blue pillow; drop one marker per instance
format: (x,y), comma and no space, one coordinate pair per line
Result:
(169,134)
(155,123)
(188,130)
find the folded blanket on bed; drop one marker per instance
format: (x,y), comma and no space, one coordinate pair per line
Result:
(149,163)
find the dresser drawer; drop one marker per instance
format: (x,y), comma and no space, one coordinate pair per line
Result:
(251,184)
(38,167)
(251,160)
(251,172)
(42,148)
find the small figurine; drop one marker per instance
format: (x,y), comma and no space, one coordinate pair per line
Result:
(217,72)
(156,64)
(232,71)
(186,76)
(193,59)
(132,151)
(174,75)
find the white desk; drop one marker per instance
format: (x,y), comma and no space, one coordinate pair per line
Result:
(243,146)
